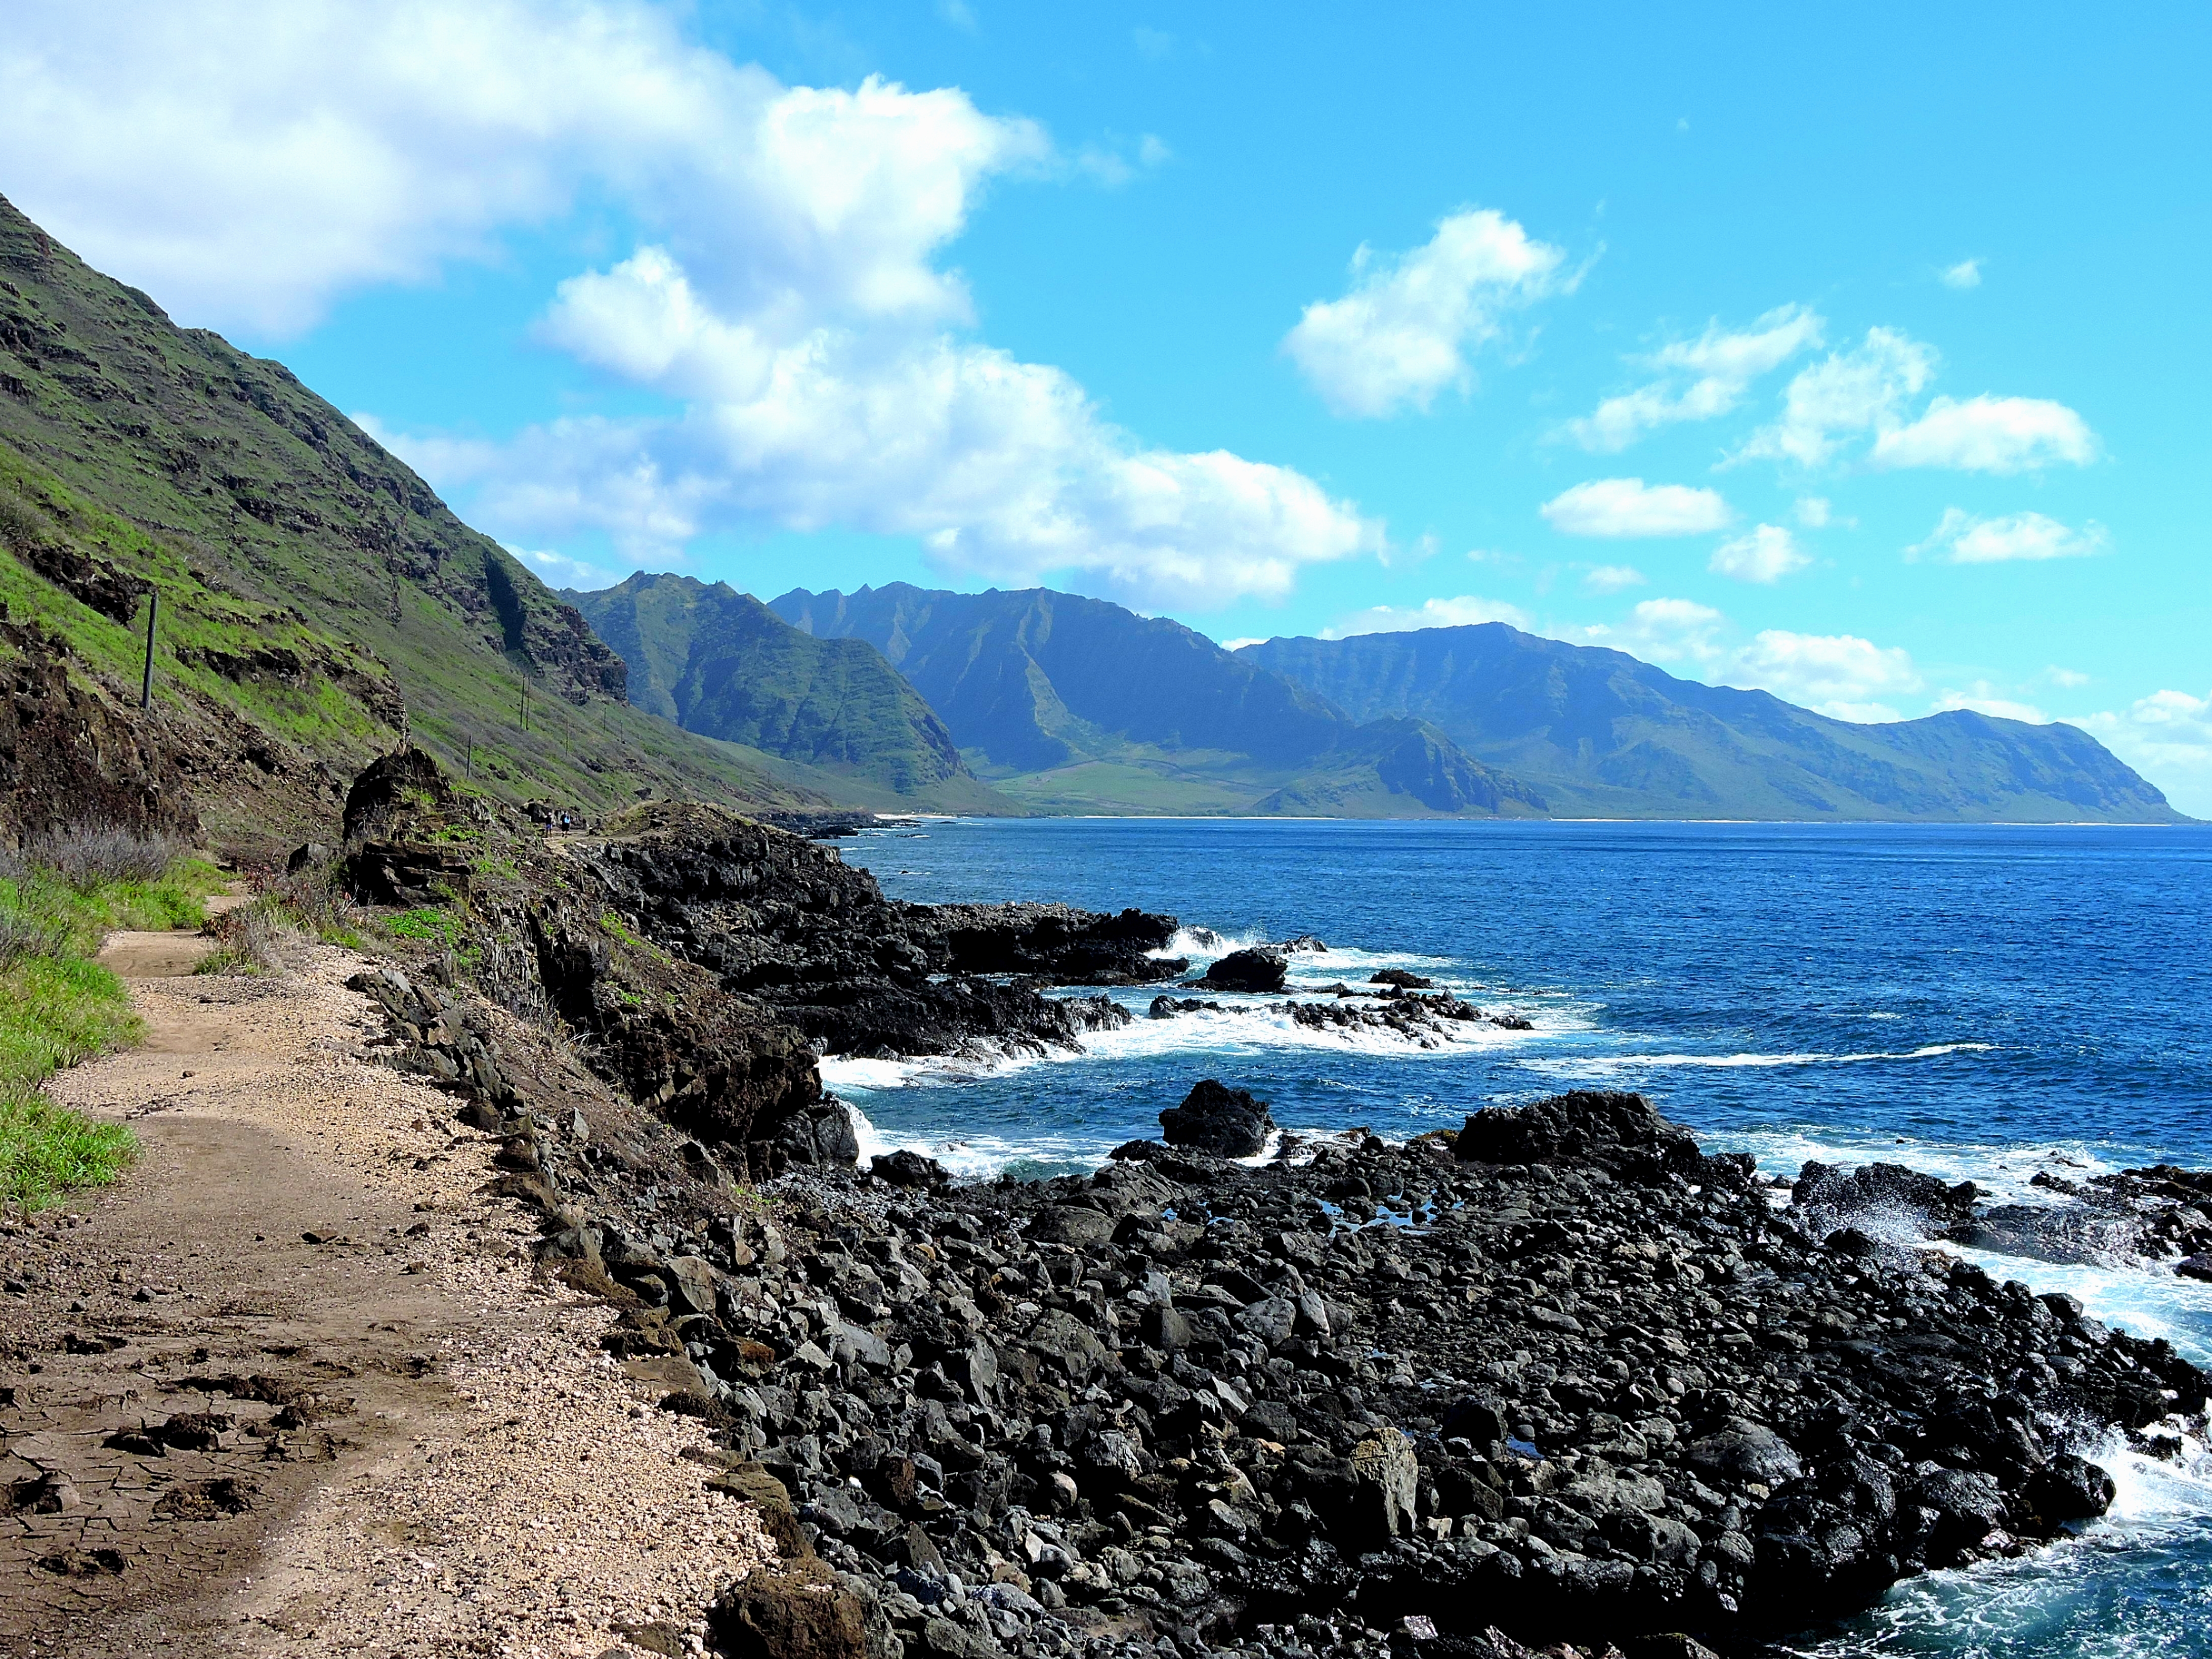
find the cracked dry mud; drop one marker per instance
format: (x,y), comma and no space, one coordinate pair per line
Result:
(292,1387)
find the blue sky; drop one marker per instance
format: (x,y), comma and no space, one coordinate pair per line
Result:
(1859,358)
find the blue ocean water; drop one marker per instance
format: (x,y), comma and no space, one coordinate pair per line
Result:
(1983,1002)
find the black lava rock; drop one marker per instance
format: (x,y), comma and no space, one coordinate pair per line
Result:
(1260,970)
(1214,1118)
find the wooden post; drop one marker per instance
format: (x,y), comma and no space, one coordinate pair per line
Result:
(152,612)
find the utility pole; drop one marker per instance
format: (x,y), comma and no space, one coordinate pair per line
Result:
(152,612)
(525,705)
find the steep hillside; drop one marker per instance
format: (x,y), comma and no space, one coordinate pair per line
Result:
(317,599)
(720,663)
(1074,705)
(1604,735)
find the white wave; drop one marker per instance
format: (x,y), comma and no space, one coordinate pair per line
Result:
(2149,1301)
(1570,1064)
(976,1156)
(2129,1587)
(2004,1171)
(1243,1026)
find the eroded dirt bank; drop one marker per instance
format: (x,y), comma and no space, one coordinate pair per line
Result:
(294,1386)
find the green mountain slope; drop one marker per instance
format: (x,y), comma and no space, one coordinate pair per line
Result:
(317,598)
(720,663)
(1604,735)
(1075,705)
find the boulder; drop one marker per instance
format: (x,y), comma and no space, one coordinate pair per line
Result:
(1623,1134)
(795,1610)
(1386,1478)
(1260,970)
(1742,1452)
(902,1168)
(1882,1199)
(1214,1118)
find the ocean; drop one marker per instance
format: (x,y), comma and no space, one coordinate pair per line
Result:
(1981,1002)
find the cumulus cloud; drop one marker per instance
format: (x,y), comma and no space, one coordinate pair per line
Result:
(1990,434)
(1462,612)
(1840,675)
(1409,324)
(278,156)
(1848,392)
(1767,554)
(1612,578)
(1963,539)
(1967,274)
(1624,507)
(2166,737)
(1984,698)
(1699,378)
(1663,631)
(788,295)
(1866,390)
(561,571)
(1814,512)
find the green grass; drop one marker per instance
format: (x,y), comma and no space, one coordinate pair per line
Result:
(57,1006)
(45,1150)
(428,925)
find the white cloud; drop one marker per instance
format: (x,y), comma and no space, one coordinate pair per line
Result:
(1867,389)
(2166,737)
(2071,679)
(789,295)
(1462,612)
(1984,698)
(1966,539)
(561,571)
(1238,645)
(1967,273)
(1766,554)
(1663,631)
(1624,507)
(1814,512)
(1850,392)
(1990,434)
(278,156)
(1699,378)
(1612,578)
(1838,675)
(1407,327)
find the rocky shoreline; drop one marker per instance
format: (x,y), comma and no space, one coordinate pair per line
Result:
(1557,1376)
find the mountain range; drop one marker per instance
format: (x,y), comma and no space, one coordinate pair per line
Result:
(1602,734)
(1069,704)
(318,604)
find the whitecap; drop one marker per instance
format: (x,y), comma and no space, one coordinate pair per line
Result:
(1570,1064)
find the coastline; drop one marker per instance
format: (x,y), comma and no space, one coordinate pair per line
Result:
(1559,1376)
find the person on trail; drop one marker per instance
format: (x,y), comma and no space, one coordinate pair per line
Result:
(564,822)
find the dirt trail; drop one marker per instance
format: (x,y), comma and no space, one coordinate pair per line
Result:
(292,1387)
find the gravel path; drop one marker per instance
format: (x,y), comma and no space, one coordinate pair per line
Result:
(293,1386)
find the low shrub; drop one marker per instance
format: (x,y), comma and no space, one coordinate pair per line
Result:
(87,858)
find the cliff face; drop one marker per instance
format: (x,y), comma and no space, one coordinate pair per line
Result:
(318,602)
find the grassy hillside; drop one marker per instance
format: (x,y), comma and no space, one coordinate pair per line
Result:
(1074,705)
(720,663)
(1602,734)
(318,599)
